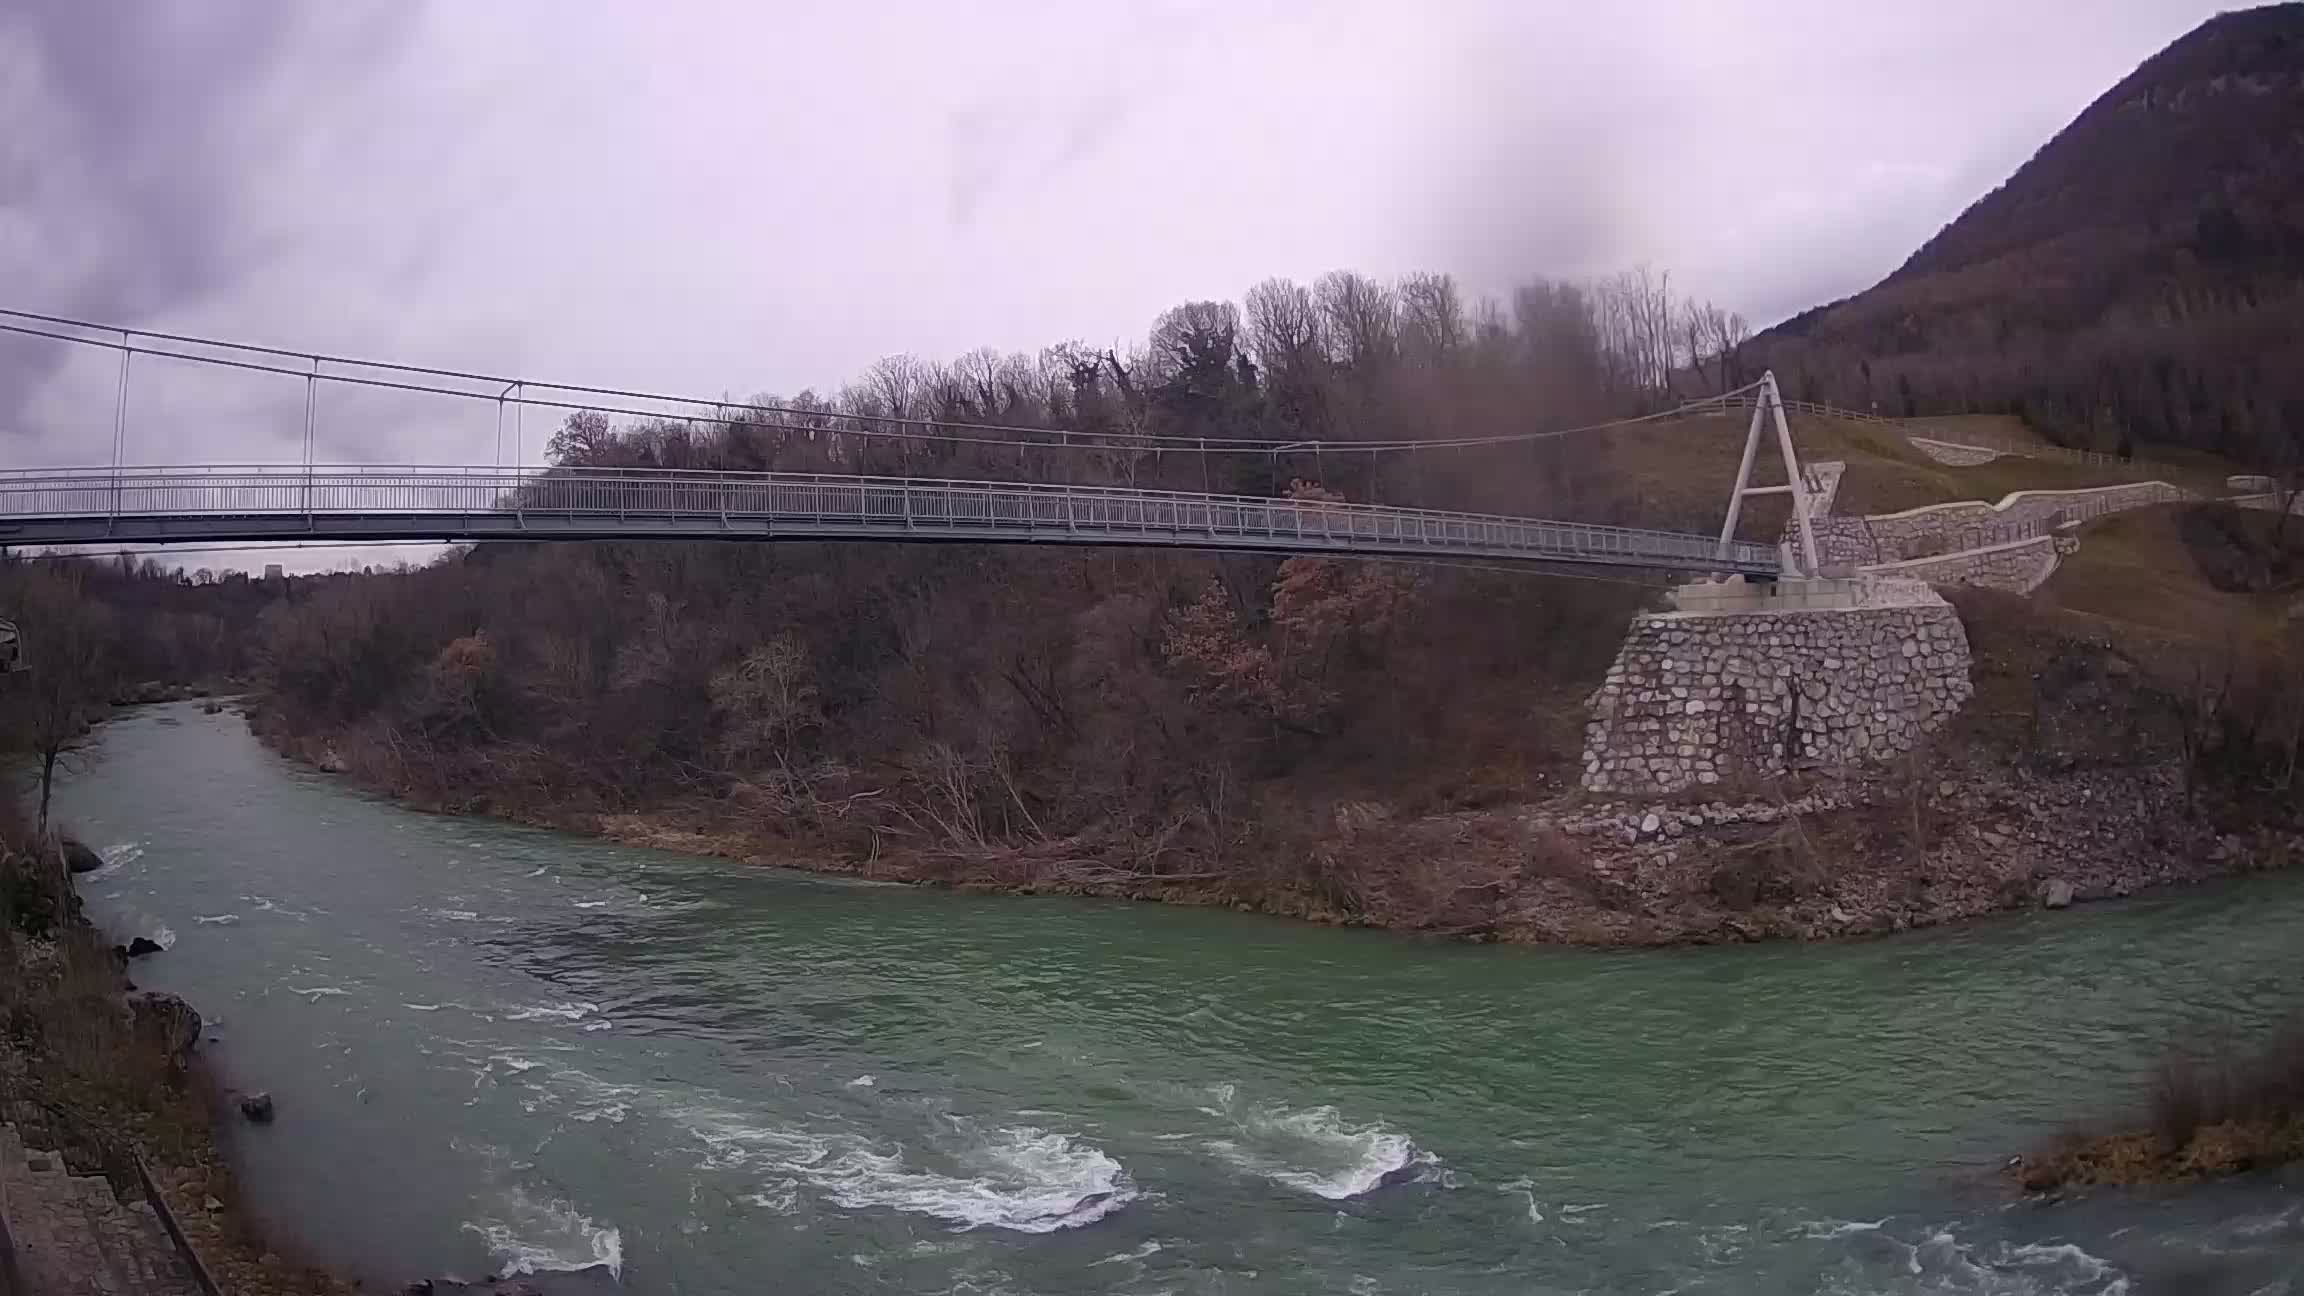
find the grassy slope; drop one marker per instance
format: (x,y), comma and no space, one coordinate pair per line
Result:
(1678,474)
(2135,572)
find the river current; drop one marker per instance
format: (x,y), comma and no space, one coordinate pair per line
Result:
(496,1047)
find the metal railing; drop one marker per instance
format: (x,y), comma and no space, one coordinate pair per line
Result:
(118,1159)
(185,1251)
(2035,450)
(1745,401)
(259,502)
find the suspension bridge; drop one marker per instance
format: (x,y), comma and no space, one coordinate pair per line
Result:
(120,502)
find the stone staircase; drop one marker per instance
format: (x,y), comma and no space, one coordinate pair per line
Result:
(75,1237)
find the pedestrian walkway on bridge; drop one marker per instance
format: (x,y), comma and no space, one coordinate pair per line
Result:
(121,502)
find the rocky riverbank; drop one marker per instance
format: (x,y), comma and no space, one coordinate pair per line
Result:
(96,1070)
(1924,843)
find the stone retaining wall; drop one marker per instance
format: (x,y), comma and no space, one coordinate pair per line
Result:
(1946,530)
(1841,541)
(2019,568)
(1696,699)
(1942,528)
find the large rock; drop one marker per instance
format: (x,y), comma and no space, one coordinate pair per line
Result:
(330,762)
(144,945)
(2056,893)
(79,858)
(257,1107)
(165,1020)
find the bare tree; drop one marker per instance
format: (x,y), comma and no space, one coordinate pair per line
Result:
(1714,337)
(1432,321)
(71,639)
(1195,339)
(1362,318)
(766,701)
(1283,327)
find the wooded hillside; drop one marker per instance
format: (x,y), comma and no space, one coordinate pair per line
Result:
(2140,280)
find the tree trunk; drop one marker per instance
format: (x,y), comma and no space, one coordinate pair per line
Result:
(47,784)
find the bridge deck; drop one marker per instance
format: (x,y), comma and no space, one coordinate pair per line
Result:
(103,506)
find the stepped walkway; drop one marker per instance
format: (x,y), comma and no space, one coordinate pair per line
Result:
(72,1236)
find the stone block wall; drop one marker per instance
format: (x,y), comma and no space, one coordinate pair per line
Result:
(2268,503)
(1840,541)
(2019,568)
(1696,699)
(1823,482)
(1946,529)
(1942,528)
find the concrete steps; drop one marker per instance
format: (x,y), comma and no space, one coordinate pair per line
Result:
(75,1237)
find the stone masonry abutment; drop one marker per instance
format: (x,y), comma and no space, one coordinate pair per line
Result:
(1746,682)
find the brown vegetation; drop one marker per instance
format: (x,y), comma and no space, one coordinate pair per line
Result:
(1321,737)
(1051,718)
(2219,1112)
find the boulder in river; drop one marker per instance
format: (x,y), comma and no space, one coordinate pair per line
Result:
(80,858)
(165,1020)
(144,945)
(330,762)
(2055,893)
(257,1107)
(212,708)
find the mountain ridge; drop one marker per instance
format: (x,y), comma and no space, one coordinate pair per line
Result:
(2132,282)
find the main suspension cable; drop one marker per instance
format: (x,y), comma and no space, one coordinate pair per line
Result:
(781,417)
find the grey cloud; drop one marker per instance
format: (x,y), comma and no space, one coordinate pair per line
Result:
(122,197)
(721,195)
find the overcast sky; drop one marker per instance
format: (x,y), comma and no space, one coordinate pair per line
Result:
(736,196)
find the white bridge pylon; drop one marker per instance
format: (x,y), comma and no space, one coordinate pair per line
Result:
(1768,405)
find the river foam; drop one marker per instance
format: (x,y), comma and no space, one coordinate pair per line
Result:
(563,1011)
(1023,1179)
(1020,1178)
(115,858)
(1313,1149)
(1897,1257)
(528,1236)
